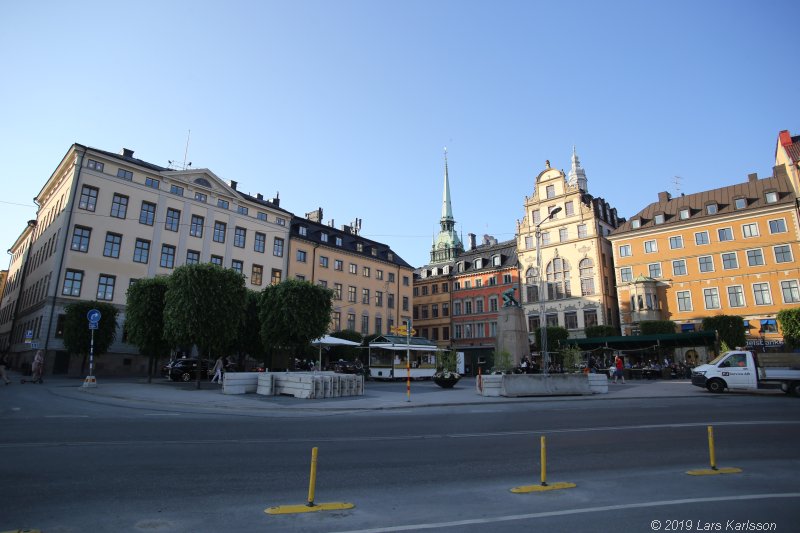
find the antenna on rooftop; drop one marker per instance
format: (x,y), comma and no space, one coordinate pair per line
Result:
(676,181)
(175,165)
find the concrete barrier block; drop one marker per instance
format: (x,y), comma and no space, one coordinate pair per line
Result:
(239,382)
(598,383)
(266,384)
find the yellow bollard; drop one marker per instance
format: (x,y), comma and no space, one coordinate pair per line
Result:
(310,506)
(543,458)
(713,459)
(312,482)
(543,486)
(711,455)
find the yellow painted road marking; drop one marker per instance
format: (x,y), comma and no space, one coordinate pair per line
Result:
(303,508)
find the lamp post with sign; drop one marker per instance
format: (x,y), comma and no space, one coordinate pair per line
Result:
(541,290)
(94,320)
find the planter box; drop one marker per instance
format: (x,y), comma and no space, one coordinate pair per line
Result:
(517,385)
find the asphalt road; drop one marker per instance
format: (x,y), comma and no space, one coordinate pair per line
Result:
(71,465)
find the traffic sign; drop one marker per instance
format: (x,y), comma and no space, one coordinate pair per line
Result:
(94,325)
(28,336)
(93,315)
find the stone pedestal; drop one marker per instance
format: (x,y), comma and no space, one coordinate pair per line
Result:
(512,333)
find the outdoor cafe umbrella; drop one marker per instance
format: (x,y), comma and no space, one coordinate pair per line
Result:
(327,340)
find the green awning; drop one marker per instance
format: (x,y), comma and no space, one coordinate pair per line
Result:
(697,338)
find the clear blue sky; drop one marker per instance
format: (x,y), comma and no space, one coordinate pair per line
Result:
(346,105)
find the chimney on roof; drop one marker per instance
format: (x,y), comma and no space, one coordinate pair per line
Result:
(471,237)
(234,185)
(126,153)
(315,216)
(664,196)
(259,196)
(752,178)
(277,200)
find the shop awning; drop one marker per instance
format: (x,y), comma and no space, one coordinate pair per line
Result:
(629,342)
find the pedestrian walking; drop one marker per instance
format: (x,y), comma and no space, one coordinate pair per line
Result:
(217,370)
(5,363)
(37,368)
(618,366)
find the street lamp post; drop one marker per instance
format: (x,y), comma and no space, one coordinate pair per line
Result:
(542,321)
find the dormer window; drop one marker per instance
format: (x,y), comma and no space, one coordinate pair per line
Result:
(302,230)
(711,209)
(771,197)
(636,223)
(435,272)
(683,214)
(740,203)
(658,219)
(359,247)
(323,237)
(374,251)
(496,260)
(461,267)
(478,263)
(338,241)
(390,256)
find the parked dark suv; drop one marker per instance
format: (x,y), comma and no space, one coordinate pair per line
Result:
(185,369)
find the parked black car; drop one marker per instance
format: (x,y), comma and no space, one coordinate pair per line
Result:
(185,369)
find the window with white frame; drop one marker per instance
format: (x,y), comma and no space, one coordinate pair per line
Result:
(740,203)
(650,247)
(755,257)
(705,263)
(684,300)
(625,274)
(750,230)
(711,209)
(762,294)
(562,234)
(790,291)
(730,261)
(675,242)
(683,214)
(654,270)
(701,238)
(636,223)
(725,234)
(783,253)
(679,267)
(658,219)
(777,225)
(582,231)
(711,297)
(736,296)
(625,250)
(771,197)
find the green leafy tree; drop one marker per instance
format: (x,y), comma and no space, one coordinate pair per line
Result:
(248,341)
(502,362)
(730,328)
(78,337)
(293,313)
(447,362)
(204,305)
(789,321)
(657,327)
(144,319)
(556,335)
(571,358)
(593,332)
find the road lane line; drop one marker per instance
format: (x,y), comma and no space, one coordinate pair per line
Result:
(565,512)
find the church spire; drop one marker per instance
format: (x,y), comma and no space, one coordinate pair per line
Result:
(447,245)
(577,176)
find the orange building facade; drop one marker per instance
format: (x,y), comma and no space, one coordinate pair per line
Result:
(731,251)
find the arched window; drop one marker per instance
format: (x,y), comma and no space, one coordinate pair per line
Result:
(586,267)
(202,181)
(558,286)
(531,285)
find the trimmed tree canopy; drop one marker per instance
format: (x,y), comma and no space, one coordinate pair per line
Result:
(144,316)
(730,329)
(204,305)
(293,313)
(789,320)
(77,336)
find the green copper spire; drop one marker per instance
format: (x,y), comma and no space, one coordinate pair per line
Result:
(447,245)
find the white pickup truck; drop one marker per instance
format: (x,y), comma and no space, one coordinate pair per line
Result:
(745,370)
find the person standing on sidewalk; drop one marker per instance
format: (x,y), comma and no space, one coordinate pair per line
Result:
(618,369)
(5,363)
(217,370)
